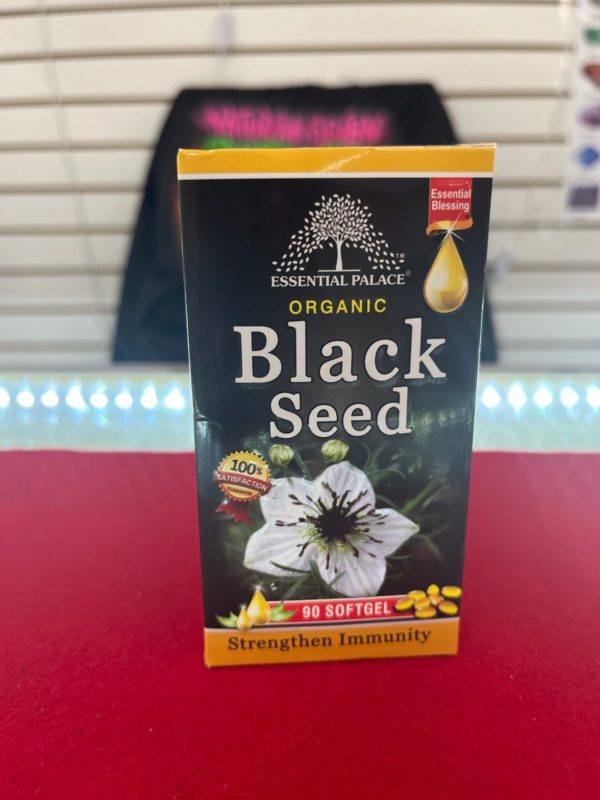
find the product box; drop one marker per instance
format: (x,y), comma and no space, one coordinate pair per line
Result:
(334,303)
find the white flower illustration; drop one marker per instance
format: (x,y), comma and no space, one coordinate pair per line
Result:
(333,522)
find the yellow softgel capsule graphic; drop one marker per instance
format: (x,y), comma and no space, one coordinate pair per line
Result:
(436,599)
(446,284)
(258,609)
(448,607)
(417,594)
(433,589)
(404,603)
(452,592)
(421,604)
(425,613)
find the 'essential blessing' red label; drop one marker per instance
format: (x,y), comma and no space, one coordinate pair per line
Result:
(450,199)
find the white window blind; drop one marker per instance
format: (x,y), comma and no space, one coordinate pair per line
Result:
(86,84)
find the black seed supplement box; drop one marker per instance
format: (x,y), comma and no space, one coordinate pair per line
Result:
(334,302)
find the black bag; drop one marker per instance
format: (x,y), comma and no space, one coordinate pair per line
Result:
(151,324)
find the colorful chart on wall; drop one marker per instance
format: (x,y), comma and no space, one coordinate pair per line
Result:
(582,200)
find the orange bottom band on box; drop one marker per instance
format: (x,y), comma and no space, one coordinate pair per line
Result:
(331,642)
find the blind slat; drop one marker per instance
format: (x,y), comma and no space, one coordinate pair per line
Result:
(454,72)
(286,27)
(534,289)
(524,288)
(550,326)
(77,290)
(139,124)
(82,5)
(529,163)
(119,209)
(109,250)
(501,67)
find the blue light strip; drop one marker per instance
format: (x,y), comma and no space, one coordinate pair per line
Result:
(88,398)
(76,397)
(546,394)
(154,411)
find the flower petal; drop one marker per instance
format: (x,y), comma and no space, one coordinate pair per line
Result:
(278,503)
(344,477)
(280,544)
(361,576)
(388,530)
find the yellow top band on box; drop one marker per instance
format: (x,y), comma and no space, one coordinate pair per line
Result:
(458,159)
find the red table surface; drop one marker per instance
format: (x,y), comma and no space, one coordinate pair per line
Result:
(104,694)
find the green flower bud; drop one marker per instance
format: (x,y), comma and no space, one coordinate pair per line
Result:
(281,455)
(335,450)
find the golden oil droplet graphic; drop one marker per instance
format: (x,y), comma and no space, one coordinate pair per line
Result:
(244,623)
(446,285)
(258,609)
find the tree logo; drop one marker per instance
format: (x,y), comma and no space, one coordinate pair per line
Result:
(338,221)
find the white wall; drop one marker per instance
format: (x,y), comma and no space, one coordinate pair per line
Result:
(85,85)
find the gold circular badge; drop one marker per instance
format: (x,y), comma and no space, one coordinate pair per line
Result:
(243,476)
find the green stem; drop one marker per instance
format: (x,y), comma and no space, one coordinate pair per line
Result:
(325,589)
(372,460)
(303,468)
(387,501)
(336,579)
(290,569)
(385,471)
(416,501)
(295,586)
(433,497)
(367,450)
(439,530)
